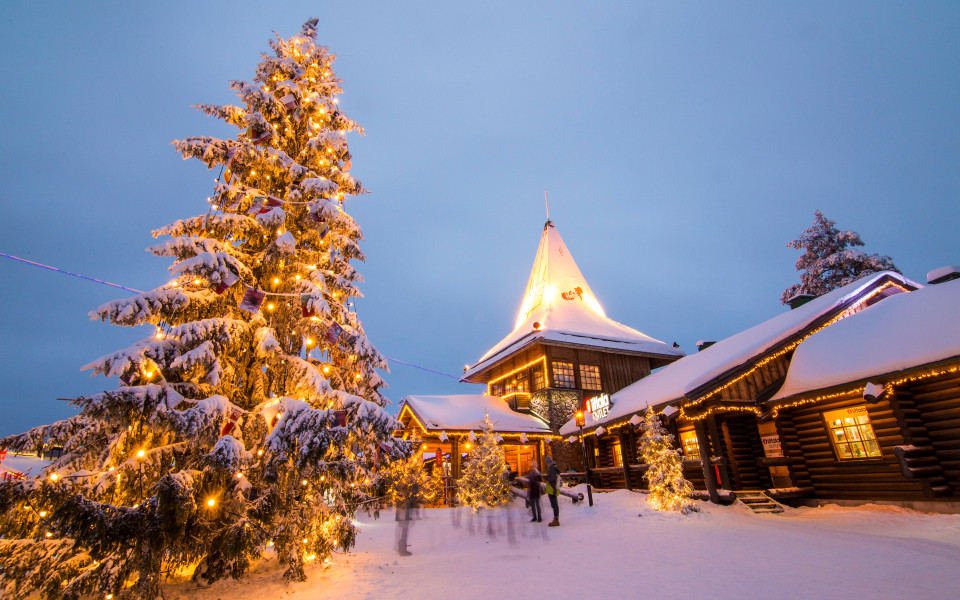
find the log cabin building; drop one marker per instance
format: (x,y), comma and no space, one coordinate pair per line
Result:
(444,425)
(563,349)
(750,413)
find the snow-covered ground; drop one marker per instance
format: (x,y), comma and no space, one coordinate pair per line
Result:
(620,548)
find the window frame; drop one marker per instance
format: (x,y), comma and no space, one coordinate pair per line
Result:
(537,380)
(860,429)
(557,375)
(585,377)
(686,436)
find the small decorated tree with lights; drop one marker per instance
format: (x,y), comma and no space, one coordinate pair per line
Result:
(669,490)
(484,483)
(408,484)
(830,259)
(253,418)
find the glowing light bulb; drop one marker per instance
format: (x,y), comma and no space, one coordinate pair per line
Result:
(196,281)
(211,502)
(54,477)
(259,452)
(304,482)
(309,342)
(149,374)
(297,277)
(276,280)
(48,534)
(43,513)
(239,475)
(270,543)
(141,453)
(270,306)
(326,369)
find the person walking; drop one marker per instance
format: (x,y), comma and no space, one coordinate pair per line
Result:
(533,494)
(553,484)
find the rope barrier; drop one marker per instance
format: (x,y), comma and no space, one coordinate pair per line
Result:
(55,269)
(36,264)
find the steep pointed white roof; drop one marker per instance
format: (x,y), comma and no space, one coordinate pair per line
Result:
(559,306)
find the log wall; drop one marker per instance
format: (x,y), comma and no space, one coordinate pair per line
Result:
(937,401)
(743,451)
(804,434)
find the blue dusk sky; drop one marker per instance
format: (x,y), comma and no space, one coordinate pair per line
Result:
(682,144)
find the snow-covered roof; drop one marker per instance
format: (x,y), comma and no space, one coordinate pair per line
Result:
(692,372)
(900,333)
(559,306)
(464,413)
(23,464)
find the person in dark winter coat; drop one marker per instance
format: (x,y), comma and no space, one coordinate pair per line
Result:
(553,482)
(533,493)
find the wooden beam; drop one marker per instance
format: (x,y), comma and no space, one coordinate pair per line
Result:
(455,457)
(709,475)
(718,450)
(625,457)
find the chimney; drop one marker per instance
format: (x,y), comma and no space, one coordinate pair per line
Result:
(798,300)
(943,274)
(703,345)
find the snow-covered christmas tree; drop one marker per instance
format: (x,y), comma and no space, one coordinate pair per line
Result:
(484,483)
(408,484)
(830,259)
(669,489)
(252,421)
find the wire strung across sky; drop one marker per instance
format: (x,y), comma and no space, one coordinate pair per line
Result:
(93,279)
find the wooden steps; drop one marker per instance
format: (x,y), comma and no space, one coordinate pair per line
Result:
(759,502)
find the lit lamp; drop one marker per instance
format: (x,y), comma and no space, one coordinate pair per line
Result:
(579,416)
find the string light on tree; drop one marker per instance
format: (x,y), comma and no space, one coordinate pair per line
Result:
(669,490)
(202,396)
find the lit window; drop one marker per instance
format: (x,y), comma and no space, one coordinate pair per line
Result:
(590,377)
(536,379)
(496,389)
(851,434)
(522,384)
(563,375)
(617,456)
(691,445)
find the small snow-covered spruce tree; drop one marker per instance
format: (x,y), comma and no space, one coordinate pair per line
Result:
(483,483)
(669,490)
(830,259)
(235,428)
(407,483)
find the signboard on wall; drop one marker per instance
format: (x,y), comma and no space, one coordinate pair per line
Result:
(598,407)
(771,445)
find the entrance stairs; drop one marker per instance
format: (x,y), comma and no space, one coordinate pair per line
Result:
(759,502)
